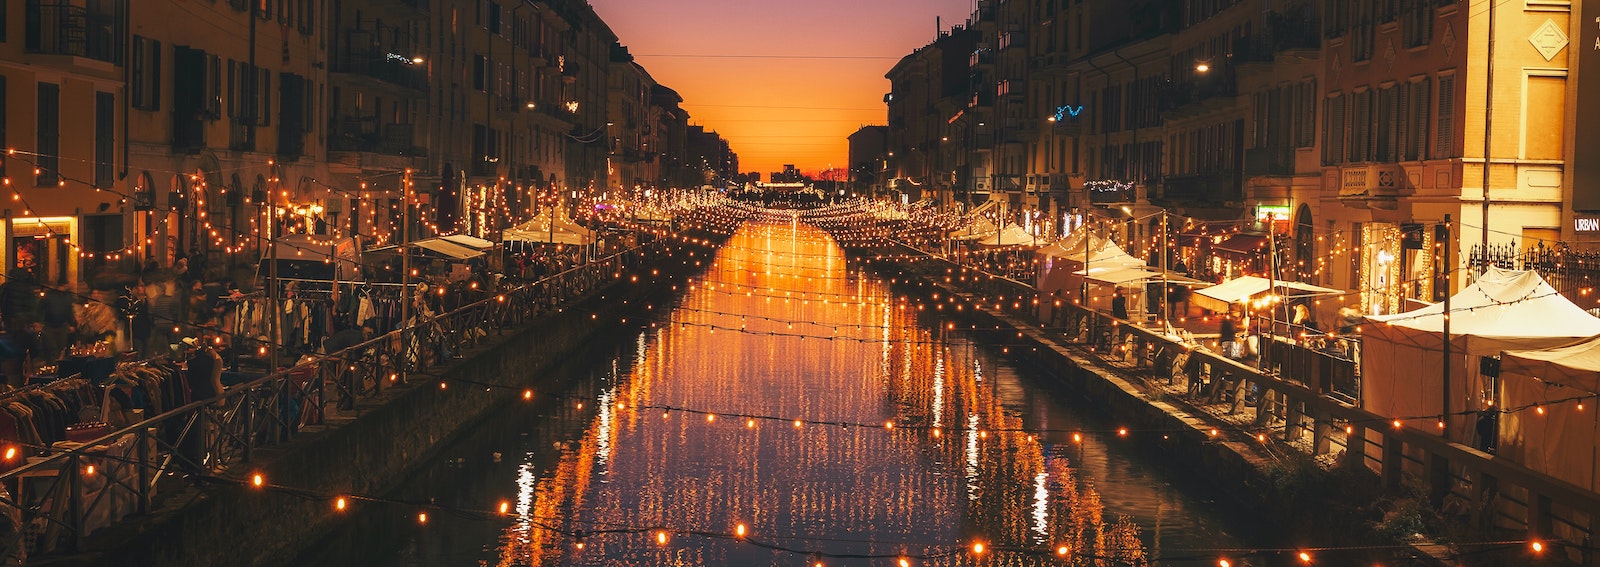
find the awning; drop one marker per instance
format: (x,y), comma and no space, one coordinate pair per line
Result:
(469,241)
(1241,246)
(1240,290)
(447,248)
(1121,275)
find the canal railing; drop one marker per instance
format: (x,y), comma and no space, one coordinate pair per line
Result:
(64,494)
(1300,404)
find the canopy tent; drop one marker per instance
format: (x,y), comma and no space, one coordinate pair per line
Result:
(469,241)
(447,249)
(978,228)
(1402,355)
(314,257)
(1560,441)
(1118,275)
(541,230)
(1221,297)
(1012,235)
(1061,264)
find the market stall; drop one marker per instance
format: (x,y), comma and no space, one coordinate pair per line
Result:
(1551,425)
(1402,355)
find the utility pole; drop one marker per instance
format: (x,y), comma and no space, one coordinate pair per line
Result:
(1488,129)
(405,269)
(1165,308)
(1445,382)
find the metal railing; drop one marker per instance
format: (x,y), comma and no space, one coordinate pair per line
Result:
(63,495)
(1303,405)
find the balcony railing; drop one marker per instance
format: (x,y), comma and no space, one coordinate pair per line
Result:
(64,29)
(388,139)
(393,68)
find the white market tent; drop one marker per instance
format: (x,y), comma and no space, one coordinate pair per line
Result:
(469,241)
(540,230)
(1012,235)
(979,228)
(1223,296)
(1402,355)
(1061,264)
(1562,440)
(447,248)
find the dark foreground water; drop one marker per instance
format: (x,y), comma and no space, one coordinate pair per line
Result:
(605,461)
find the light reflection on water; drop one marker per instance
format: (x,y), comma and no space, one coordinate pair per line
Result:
(819,343)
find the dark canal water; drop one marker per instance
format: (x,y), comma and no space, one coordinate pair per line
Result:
(779,329)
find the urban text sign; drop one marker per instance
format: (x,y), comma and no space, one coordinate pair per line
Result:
(1586,224)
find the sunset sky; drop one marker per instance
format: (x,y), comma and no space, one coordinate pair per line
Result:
(772,106)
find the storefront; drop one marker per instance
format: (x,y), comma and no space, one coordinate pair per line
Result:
(1398,267)
(44,247)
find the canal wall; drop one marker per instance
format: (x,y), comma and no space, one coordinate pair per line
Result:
(369,454)
(1275,496)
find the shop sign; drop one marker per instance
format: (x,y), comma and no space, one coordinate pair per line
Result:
(1272,212)
(1586,224)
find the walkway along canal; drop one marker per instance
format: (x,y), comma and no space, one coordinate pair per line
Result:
(789,410)
(258,469)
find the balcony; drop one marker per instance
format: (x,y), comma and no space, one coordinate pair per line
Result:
(1013,39)
(982,57)
(363,135)
(1371,185)
(388,61)
(1213,91)
(64,29)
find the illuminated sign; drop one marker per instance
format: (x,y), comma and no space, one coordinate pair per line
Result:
(1586,224)
(1065,112)
(1272,212)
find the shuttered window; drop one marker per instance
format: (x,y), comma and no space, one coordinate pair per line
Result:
(1333,131)
(1444,142)
(105,128)
(48,113)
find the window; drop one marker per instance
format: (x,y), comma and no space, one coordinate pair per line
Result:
(1361,33)
(263,96)
(1543,110)
(1385,121)
(146,74)
(105,129)
(3,114)
(1306,116)
(480,73)
(1417,145)
(1360,127)
(213,86)
(492,21)
(1333,131)
(1418,24)
(1444,142)
(49,134)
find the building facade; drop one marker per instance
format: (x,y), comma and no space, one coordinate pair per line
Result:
(1339,131)
(141,133)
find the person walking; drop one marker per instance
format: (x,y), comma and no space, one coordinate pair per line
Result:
(55,311)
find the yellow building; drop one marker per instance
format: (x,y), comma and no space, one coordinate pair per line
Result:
(223,129)
(62,77)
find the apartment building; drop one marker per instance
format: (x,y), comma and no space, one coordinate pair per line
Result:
(63,77)
(1406,132)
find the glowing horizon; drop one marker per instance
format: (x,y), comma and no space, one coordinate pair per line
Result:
(783,82)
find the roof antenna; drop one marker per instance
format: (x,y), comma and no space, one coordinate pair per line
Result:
(938,28)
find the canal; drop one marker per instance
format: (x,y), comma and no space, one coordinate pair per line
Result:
(792,396)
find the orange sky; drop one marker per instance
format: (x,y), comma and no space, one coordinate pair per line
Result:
(778,110)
